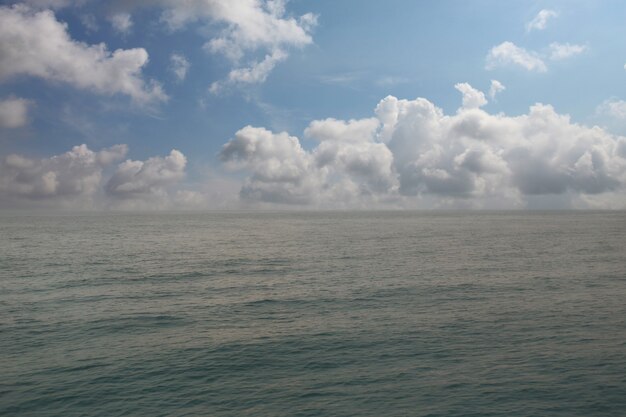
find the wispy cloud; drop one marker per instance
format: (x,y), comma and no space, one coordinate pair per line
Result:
(509,54)
(179,65)
(121,22)
(495,88)
(560,51)
(13,112)
(540,21)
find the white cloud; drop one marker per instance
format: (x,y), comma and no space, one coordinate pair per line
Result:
(245,30)
(179,65)
(472,98)
(350,150)
(249,28)
(121,22)
(54,56)
(611,115)
(73,177)
(256,73)
(413,152)
(147,179)
(613,108)
(559,51)
(82,178)
(507,53)
(13,112)
(540,22)
(495,88)
(281,170)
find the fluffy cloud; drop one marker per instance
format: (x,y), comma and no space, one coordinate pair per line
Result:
(13,112)
(412,150)
(147,179)
(477,154)
(78,179)
(249,29)
(540,22)
(74,176)
(559,51)
(179,65)
(54,56)
(252,25)
(349,149)
(472,98)
(281,170)
(246,29)
(507,53)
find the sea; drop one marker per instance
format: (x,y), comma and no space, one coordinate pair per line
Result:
(394,313)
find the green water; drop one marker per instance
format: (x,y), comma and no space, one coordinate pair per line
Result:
(313,314)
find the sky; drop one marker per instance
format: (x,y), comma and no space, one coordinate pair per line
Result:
(326,104)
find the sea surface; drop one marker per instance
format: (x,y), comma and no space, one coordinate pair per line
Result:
(313,314)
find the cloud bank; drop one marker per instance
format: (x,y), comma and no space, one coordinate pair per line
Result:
(78,179)
(408,154)
(412,154)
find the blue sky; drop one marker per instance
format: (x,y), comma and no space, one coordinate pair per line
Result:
(190,76)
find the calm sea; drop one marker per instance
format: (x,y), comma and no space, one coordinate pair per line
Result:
(313,314)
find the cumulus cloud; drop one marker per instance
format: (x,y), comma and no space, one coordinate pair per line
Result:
(496,88)
(83,178)
(241,30)
(74,176)
(147,179)
(559,51)
(507,54)
(281,170)
(412,151)
(540,22)
(54,56)
(477,154)
(349,148)
(13,112)
(472,98)
(179,65)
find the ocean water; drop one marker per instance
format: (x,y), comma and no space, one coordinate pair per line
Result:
(313,314)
